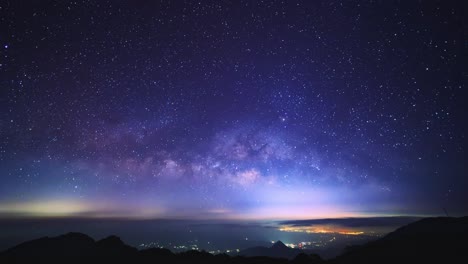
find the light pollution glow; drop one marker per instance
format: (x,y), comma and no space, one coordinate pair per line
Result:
(321,229)
(101,209)
(273,202)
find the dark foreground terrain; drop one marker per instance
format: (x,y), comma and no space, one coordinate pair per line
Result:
(430,240)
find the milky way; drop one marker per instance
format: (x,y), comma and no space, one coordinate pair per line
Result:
(232,110)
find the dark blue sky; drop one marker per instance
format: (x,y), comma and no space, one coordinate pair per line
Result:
(232,109)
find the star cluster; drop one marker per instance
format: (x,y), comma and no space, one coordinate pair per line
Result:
(242,109)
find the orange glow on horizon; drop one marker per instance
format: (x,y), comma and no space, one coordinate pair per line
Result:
(321,229)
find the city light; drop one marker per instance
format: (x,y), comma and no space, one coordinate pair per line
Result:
(320,229)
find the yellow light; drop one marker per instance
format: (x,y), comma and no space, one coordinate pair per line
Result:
(320,229)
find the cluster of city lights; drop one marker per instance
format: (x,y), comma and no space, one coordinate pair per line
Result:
(320,229)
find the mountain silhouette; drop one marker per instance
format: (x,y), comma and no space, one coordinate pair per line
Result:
(430,240)
(443,240)
(72,247)
(277,250)
(112,246)
(68,245)
(279,245)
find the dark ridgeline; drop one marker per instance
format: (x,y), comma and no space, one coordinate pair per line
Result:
(430,240)
(278,250)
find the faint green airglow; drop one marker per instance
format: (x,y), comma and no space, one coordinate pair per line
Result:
(76,208)
(45,208)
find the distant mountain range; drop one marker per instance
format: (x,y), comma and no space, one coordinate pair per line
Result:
(430,240)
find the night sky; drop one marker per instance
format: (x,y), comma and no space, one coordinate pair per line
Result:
(233,109)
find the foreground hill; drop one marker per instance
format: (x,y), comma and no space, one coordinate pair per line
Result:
(428,240)
(442,240)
